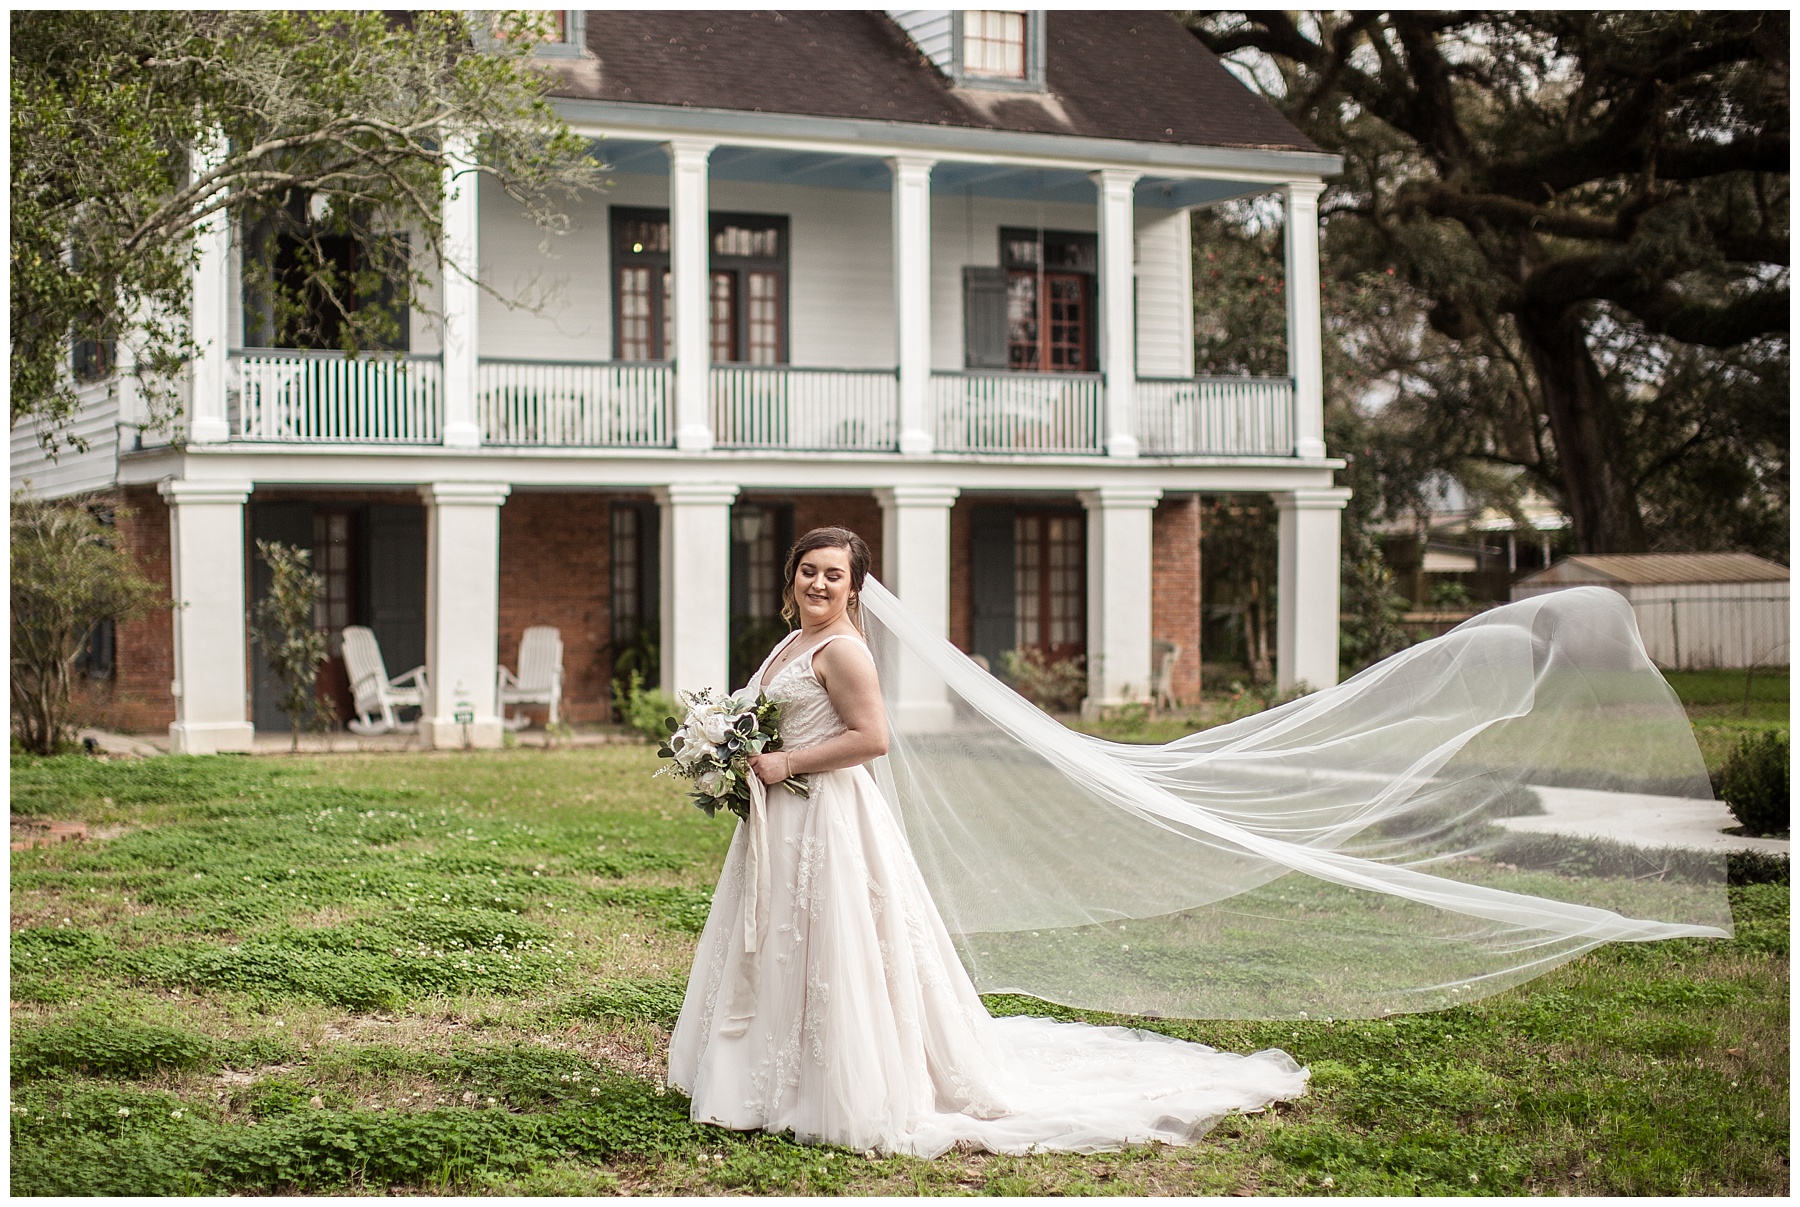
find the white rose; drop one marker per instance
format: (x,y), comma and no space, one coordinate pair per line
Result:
(693,751)
(714,726)
(713,782)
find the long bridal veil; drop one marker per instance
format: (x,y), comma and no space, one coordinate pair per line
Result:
(1366,849)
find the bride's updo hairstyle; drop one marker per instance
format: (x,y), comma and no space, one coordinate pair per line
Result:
(826,538)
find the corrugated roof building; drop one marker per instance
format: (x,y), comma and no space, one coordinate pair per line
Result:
(1695,611)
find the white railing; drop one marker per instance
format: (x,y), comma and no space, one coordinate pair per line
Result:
(1241,416)
(757,406)
(300,396)
(596,404)
(1017,412)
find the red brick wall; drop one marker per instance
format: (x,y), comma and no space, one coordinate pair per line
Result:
(1175,587)
(859,513)
(136,698)
(556,569)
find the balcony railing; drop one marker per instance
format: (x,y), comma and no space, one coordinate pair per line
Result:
(298,396)
(1228,416)
(1017,412)
(594,404)
(774,406)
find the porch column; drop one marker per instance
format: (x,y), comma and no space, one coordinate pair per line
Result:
(209,420)
(912,299)
(206,558)
(1304,341)
(1118,308)
(689,262)
(461,296)
(696,585)
(462,613)
(1120,549)
(1306,589)
(915,565)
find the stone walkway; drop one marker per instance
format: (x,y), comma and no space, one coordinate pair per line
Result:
(1643,821)
(146,745)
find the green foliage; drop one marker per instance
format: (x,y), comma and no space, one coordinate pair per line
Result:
(1054,686)
(1754,783)
(1532,303)
(643,709)
(656,1001)
(67,577)
(1237,560)
(282,624)
(1450,597)
(317,131)
(107,1047)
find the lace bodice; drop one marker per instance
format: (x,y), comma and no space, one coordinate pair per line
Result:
(807,717)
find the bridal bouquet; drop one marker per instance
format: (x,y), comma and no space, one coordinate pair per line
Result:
(712,746)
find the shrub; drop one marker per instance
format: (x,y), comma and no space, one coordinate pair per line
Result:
(67,577)
(1052,686)
(643,709)
(1754,783)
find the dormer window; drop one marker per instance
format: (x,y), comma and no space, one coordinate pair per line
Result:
(994,44)
(997,48)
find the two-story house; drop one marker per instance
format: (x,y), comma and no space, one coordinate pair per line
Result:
(926,274)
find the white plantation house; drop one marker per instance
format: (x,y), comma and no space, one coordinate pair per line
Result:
(923,273)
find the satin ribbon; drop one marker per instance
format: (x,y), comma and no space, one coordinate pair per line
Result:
(741,1004)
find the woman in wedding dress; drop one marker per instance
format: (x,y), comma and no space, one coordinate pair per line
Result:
(826,996)
(1407,840)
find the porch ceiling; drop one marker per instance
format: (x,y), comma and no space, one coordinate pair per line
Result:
(952,177)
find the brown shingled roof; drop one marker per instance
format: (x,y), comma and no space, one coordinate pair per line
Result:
(1641,568)
(1125,75)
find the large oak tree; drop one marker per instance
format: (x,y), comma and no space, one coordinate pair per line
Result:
(1590,212)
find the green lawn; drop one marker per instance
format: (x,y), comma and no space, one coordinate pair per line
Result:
(455,973)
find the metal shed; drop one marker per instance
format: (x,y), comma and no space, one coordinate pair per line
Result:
(1696,611)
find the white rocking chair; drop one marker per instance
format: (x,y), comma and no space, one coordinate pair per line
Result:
(1165,654)
(540,676)
(377,696)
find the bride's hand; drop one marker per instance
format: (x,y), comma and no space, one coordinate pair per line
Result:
(770,768)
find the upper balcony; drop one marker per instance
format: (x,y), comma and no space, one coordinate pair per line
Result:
(293,397)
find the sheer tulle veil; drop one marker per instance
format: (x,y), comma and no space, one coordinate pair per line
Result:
(1353,853)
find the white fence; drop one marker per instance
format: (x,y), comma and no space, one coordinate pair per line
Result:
(304,397)
(586,403)
(1017,412)
(1229,416)
(780,407)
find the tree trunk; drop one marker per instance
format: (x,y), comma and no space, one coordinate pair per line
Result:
(1597,489)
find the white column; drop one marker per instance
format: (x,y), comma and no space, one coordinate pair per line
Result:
(460,295)
(689,262)
(208,419)
(462,613)
(1119,561)
(1305,341)
(206,558)
(1306,621)
(696,585)
(1118,308)
(912,299)
(915,565)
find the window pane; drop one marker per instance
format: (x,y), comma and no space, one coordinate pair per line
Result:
(1022,321)
(994,43)
(723,317)
(765,318)
(1068,324)
(626,572)
(634,314)
(763,557)
(1027,581)
(668,341)
(1067,590)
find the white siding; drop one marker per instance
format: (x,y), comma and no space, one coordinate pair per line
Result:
(73,472)
(1165,294)
(929,29)
(563,289)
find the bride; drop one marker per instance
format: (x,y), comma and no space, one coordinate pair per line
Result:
(850,1020)
(1263,866)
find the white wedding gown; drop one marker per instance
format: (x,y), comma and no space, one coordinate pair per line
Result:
(826,999)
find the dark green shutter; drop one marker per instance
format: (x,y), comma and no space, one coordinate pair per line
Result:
(393,574)
(984,318)
(991,582)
